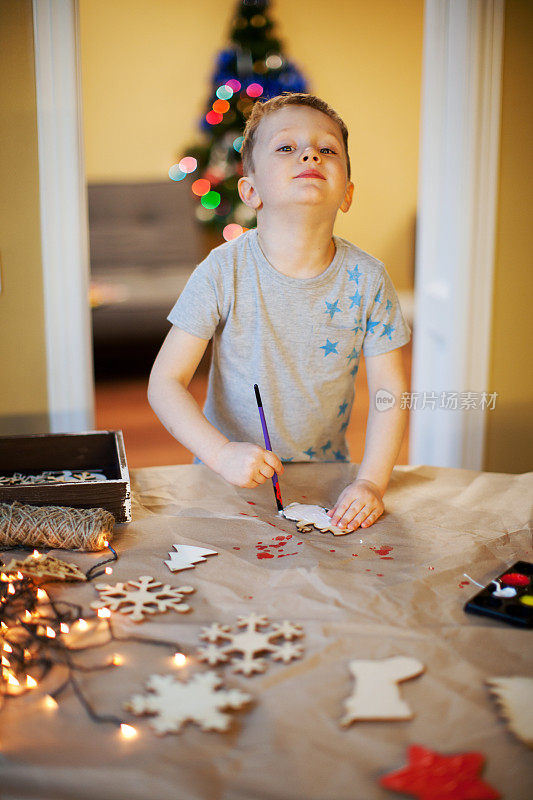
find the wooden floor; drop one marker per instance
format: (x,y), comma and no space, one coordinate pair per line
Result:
(122,404)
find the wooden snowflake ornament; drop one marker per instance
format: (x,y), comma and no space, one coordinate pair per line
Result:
(144,596)
(376,695)
(187,556)
(515,697)
(175,702)
(47,568)
(309,517)
(250,643)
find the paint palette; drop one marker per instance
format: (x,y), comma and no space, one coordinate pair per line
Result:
(508,598)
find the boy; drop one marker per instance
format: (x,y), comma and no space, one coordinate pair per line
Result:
(289,306)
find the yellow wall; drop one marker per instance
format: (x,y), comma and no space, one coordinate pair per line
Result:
(23,392)
(146,70)
(509,442)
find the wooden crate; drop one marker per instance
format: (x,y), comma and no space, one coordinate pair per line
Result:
(96,450)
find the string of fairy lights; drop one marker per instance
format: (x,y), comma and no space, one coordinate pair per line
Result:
(34,631)
(210,199)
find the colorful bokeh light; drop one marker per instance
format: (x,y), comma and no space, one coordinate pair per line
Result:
(213,117)
(188,164)
(175,173)
(221,106)
(231,231)
(210,200)
(254,90)
(237,143)
(201,187)
(224,92)
(233,84)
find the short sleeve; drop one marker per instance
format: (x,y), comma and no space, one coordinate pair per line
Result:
(197,309)
(386,329)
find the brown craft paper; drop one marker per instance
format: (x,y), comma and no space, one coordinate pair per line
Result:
(398,593)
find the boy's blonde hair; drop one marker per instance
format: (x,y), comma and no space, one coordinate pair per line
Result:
(262,109)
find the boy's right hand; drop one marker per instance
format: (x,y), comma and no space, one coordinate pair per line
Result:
(246,465)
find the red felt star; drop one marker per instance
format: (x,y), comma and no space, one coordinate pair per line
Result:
(431,776)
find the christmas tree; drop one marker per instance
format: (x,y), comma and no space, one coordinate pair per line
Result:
(252,68)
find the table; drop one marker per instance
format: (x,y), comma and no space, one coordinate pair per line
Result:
(396,588)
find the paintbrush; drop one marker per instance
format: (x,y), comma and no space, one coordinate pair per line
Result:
(268,446)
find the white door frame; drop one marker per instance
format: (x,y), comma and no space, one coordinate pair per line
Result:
(458,186)
(64,220)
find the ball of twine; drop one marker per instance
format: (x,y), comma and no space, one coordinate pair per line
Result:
(54,526)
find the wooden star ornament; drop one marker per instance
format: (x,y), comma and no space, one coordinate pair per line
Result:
(432,776)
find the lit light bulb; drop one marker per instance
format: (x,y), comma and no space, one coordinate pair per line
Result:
(117,660)
(128,731)
(108,570)
(41,594)
(82,625)
(31,683)
(36,554)
(12,680)
(63,627)
(50,632)
(20,576)
(103,613)
(11,589)
(8,648)
(3,576)
(27,616)
(180,659)
(106,543)
(50,702)
(5,662)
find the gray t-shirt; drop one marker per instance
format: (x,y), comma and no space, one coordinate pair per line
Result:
(298,339)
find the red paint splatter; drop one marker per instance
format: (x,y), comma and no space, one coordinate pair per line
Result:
(265,555)
(280,538)
(282,555)
(300,542)
(236,548)
(368,570)
(464,583)
(386,558)
(379,574)
(332,551)
(251,502)
(431,567)
(384,550)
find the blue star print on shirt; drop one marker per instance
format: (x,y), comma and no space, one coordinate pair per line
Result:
(326,446)
(387,330)
(344,426)
(339,456)
(388,306)
(330,347)
(370,326)
(310,452)
(353,274)
(356,299)
(354,370)
(377,298)
(332,308)
(342,409)
(353,354)
(357,327)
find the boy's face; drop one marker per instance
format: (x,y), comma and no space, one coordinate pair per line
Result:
(292,141)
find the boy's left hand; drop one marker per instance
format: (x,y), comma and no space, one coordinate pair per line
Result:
(360,504)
